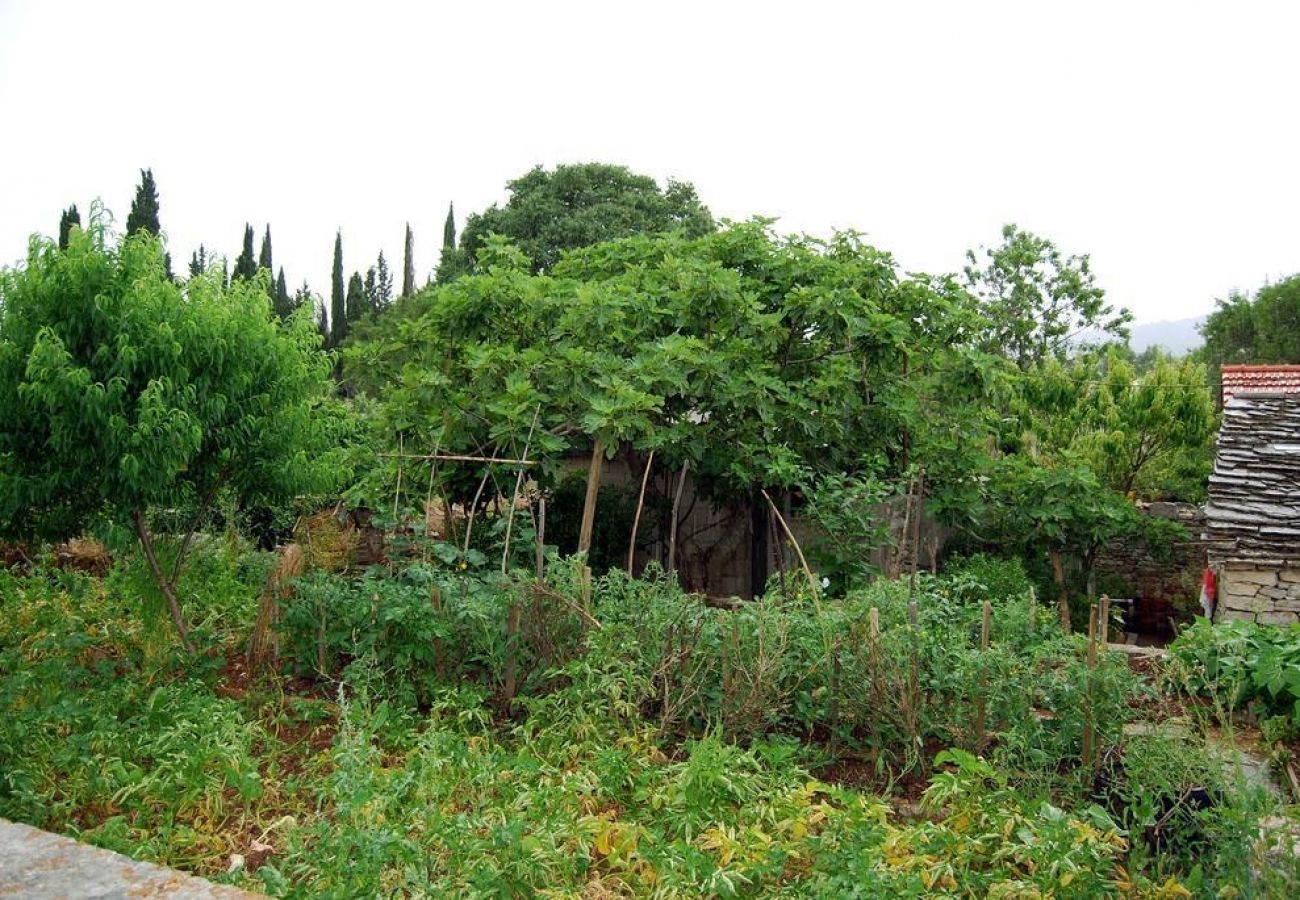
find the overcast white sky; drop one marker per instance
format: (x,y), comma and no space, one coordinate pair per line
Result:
(1159,137)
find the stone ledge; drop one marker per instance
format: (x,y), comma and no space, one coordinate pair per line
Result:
(35,863)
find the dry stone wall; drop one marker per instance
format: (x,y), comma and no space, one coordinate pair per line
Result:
(1266,594)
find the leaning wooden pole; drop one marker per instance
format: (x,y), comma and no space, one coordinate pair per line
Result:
(593,488)
(640,504)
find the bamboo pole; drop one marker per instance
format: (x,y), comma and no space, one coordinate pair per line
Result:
(916,527)
(986,620)
(514,498)
(541,538)
(672,526)
(593,488)
(397,495)
(1089,736)
(640,504)
(456,457)
(812,580)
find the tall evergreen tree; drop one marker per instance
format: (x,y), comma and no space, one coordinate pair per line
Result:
(371,290)
(198,261)
(144,208)
(144,213)
(357,302)
(282,302)
(383,296)
(408,264)
(322,320)
(264,257)
(245,265)
(338,319)
(449,228)
(67,221)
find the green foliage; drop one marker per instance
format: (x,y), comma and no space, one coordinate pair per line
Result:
(1238,663)
(246,263)
(408,263)
(758,360)
(67,221)
(338,316)
(656,755)
(1259,330)
(1150,434)
(573,206)
(978,576)
(1036,300)
(846,511)
(144,208)
(118,392)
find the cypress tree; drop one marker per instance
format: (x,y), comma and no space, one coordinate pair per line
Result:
(408,265)
(198,261)
(245,267)
(383,284)
(144,208)
(70,218)
(371,290)
(144,213)
(264,258)
(449,229)
(357,302)
(322,320)
(338,319)
(282,302)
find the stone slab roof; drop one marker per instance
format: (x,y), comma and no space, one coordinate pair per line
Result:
(1253,513)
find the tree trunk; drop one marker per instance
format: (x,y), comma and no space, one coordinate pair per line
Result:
(593,488)
(1063,597)
(164,584)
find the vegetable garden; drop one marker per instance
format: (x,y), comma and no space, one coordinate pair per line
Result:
(480,709)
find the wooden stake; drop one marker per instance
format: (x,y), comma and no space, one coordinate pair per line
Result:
(397,495)
(1105,621)
(672,526)
(593,488)
(986,619)
(916,526)
(640,503)
(873,623)
(541,537)
(1088,726)
(586,587)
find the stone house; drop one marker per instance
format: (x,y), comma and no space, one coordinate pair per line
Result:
(1252,528)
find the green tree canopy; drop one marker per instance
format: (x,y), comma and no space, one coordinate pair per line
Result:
(574,206)
(1265,329)
(760,360)
(120,392)
(1037,301)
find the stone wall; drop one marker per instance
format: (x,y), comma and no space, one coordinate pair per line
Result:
(1161,584)
(1258,592)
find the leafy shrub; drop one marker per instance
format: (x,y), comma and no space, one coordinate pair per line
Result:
(979,577)
(1238,663)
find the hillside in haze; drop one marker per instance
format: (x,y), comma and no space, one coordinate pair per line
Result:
(1177,336)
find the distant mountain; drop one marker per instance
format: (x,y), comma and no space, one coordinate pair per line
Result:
(1177,336)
